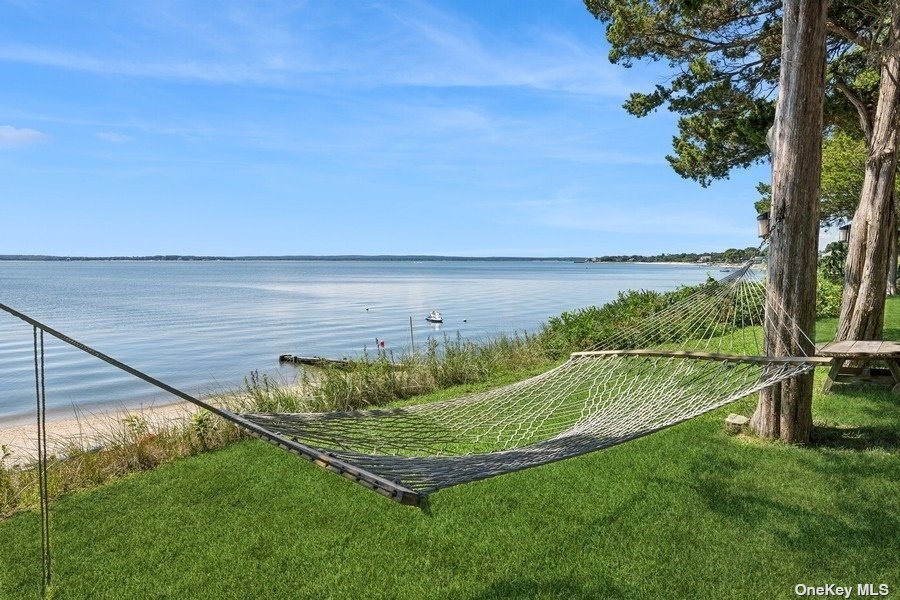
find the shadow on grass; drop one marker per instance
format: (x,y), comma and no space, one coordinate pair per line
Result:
(552,588)
(813,503)
(848,437)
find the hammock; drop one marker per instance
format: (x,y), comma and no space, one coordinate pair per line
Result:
(689,358)
(686,359)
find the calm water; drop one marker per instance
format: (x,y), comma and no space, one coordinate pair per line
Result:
(203,326)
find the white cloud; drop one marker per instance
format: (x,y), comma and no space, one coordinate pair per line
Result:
(188,70)
(451,51)
(112,137)
(14,137)
(403,44)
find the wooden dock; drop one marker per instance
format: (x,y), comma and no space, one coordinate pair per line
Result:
(315,361)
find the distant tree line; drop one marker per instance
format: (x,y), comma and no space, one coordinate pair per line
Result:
(732,255)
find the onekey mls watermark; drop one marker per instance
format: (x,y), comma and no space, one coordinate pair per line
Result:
(837,590)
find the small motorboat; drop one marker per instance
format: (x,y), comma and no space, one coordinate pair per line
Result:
(434,317)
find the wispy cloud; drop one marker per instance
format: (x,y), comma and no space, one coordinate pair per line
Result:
(15,137)
(459,53)
(295,46)
(179,69)
(624,217)
(112,137)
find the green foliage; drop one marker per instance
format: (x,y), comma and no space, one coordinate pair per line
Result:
(857,70)
(832,262)
(135,426)
(843,169)
(725,58)
(765,198)
(203,425)
(262,394)
(828,297)
(830,280)
(731,255)
(583,328)
(384,379)
(725,55)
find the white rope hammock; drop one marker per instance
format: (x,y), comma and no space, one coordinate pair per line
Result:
(689,358)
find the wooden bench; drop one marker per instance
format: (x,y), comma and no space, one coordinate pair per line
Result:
(861,354)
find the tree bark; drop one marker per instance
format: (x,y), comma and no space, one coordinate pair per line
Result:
(862,306)
(785,410)
(892,259)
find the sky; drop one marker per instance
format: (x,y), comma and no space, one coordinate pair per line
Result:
(291,128)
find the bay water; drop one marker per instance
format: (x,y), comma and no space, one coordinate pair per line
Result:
(203,326)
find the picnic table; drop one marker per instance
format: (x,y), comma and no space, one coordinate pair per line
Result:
(861,354)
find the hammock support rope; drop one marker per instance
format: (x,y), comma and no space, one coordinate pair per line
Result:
(40,391)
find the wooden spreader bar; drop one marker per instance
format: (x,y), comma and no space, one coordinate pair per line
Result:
(385,487)
(821,360)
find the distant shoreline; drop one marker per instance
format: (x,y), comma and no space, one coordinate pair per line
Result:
(333,258)
(338,258)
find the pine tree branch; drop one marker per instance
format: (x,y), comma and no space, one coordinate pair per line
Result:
(713,45)
(865,119)
(844,33)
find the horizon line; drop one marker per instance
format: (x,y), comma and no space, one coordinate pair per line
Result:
(299,257)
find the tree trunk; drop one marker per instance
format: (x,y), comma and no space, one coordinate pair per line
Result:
(862,307)
(892,258)
(785,410)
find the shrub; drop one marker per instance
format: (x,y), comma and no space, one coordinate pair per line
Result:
(828,297)
(374,382)
(832,262)
(583,328)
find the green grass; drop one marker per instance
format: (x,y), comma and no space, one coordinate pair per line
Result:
(688,512)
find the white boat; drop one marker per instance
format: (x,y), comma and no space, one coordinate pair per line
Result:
(434,317)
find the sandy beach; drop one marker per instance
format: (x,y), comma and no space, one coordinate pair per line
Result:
(86,429)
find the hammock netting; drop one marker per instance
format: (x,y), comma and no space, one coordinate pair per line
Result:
(692,356)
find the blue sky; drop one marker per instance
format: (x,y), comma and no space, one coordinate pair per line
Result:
(460,128)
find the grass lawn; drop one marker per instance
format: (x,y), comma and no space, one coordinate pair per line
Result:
(689,512)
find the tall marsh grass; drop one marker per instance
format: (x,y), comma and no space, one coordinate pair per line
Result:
(140,442)
(110,448)
(379,380)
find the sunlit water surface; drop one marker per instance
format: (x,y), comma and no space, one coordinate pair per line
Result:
(203,326)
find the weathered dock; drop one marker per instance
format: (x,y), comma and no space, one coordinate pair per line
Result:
(315,361)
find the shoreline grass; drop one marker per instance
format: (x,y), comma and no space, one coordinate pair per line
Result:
(138,442)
